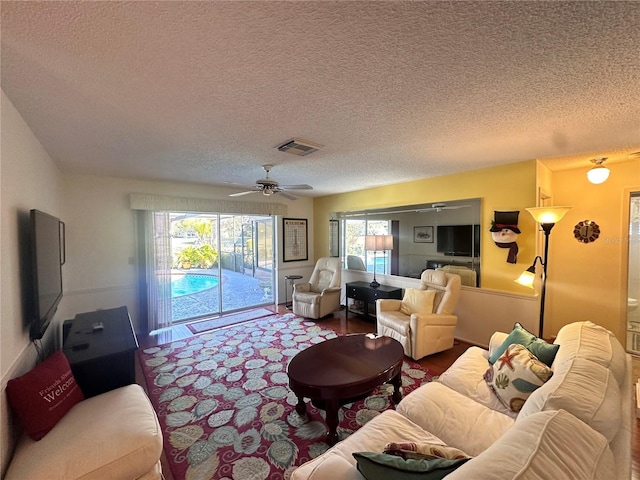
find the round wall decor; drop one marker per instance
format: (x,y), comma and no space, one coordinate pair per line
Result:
(586,231)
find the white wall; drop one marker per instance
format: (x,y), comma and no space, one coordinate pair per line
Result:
(28,179)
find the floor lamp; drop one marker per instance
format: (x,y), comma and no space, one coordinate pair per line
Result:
(375,243)
(547,217)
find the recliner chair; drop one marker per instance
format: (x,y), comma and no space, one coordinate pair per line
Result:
(355,263)
(321,295)
(427,332)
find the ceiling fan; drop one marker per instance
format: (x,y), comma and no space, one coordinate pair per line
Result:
(439,207)
(269,187)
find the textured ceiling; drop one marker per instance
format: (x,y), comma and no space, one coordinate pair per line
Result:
(204,91)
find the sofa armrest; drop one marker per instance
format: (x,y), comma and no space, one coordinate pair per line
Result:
(388,305)
(420,320)
(112,436)
(331,290)
(301,287)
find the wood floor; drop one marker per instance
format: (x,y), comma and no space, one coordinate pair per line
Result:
(436,363)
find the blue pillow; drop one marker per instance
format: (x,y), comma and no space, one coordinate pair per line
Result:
(545,352)
(382,466)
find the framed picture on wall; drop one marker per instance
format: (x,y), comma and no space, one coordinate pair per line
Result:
(423,234)
(334,238)
(294,239)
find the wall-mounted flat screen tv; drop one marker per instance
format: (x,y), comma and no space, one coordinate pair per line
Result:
(47,258)
(458,240)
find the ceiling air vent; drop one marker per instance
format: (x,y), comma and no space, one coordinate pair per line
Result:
(299,147)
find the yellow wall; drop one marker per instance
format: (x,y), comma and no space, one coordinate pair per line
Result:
(589,281)
(585,281)
(507,187)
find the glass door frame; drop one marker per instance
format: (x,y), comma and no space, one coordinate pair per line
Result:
(245,237)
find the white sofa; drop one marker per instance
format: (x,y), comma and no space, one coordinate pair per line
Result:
(112,436)
(575,426)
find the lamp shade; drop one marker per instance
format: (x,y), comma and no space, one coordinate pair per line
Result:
(548,214)
(377,243)
(598,174)
(527,278)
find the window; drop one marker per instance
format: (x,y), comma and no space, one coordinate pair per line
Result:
(354,231)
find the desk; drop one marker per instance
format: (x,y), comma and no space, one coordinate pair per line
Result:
(368,295)
(100,347)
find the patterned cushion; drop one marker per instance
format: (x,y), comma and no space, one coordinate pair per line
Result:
(545,352)
(417,301)
(515,375)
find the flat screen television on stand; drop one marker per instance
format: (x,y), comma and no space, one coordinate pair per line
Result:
(458,240)
(47,258)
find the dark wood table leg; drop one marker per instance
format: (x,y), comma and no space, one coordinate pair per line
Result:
(397,383)
(331,411)
(301,407)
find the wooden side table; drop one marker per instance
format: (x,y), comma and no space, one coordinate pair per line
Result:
(290,279)
(364,292)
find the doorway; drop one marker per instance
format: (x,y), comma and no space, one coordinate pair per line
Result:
(221,263)
(633,280)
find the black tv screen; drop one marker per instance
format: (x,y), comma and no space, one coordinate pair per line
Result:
(47,252)
(458,240)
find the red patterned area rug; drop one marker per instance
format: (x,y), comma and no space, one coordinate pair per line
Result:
(225,407)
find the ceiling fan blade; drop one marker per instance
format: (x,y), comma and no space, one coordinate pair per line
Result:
(303,186)
(287,195)
(239,194)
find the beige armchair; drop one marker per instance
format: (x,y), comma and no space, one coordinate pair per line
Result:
(467,276)
(321,295)
(427,329)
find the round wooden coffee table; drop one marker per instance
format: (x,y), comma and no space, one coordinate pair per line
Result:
(343,369)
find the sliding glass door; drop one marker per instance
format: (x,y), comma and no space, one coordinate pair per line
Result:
(221,263)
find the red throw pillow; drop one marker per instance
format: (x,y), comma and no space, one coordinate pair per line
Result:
(41,397)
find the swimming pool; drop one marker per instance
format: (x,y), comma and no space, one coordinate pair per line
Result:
(190,284)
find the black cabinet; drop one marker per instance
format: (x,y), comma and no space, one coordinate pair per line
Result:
(101,346)
(366,295)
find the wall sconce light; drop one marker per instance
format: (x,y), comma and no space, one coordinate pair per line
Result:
(599,173)
(547,217)
(377,243)
(527,277)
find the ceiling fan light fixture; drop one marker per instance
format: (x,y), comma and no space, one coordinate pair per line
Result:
(268,186)
(599,173)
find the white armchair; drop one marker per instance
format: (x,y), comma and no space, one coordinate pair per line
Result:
(428,328)
(321,295)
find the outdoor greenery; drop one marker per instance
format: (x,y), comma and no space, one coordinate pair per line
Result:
(204,256)
(236,242)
